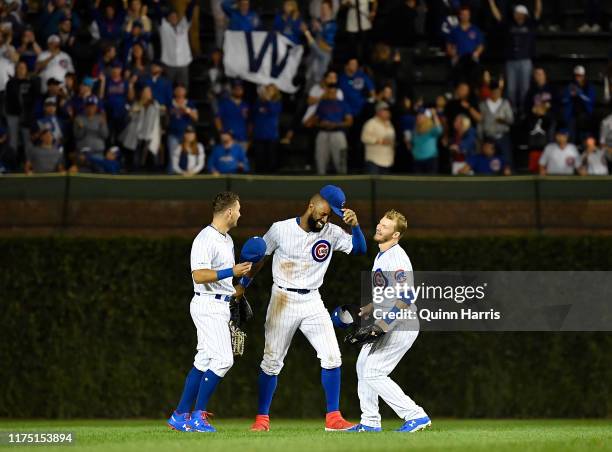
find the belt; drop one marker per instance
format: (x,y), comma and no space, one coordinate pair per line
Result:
(300,291)
(217,296)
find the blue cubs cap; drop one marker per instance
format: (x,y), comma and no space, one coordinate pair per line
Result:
(342,318)
(253,250)
(335,197)
(563,131)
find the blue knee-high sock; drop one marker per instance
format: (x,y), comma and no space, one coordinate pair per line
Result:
(209,382)
(267,386)
(190,391)
(330,378)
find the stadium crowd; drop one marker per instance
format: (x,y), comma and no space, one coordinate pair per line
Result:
(104,86)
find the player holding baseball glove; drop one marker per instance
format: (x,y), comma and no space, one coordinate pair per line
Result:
(385,341)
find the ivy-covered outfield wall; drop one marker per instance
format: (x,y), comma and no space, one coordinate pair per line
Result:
(101,328)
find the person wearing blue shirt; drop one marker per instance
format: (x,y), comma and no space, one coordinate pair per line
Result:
(332,118)
(578,101)
(233,114)
(464,47)
(289,23)
(321,42)
(487,162)
(182,113)
(241,18)
(228,157)
(110,24)
(356,86)
(266,114)
(116,93)
(160,85)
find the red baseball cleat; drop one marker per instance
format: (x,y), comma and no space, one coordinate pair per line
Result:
(334,422)
(261,424)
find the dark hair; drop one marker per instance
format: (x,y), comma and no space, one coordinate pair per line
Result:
(223,201)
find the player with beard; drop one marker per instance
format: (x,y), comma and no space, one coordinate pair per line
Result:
(394,334)
(302,248)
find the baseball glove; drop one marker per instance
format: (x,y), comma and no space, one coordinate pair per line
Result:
(238,339)
(240,310)
(364,335)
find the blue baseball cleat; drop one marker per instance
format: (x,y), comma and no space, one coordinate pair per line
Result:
(363,428)
(199,422)
(414,425)
(180,422)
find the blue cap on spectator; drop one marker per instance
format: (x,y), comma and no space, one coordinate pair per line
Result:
(236,82)
(91,100)
(88,81)
(116,64)
(563,131)
(253,250)
(335,197)
(64,17)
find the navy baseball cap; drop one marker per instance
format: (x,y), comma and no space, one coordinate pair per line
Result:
(253,250)
(335,197)
(563,131)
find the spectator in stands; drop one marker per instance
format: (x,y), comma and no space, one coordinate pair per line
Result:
(332,118)
(605,132)
(385,65)
(540,125)
(188,157)
(136,36)
(464,47)
(217,81)
(7,50)
(143,132)
(289,22)
(21,93)
(228,157)
(356,86)
(137,63)
(91,130)
(378,137)
(461,104)
(314,8)
(137,12)
(160,85)
(53,63)
(496,119)
(560,157)
(108,23)
(266,114)
(54,91)
(315,94)
(109,164)
(182,113)
(66,34)
(49,121)
(578,103)
(7,70)
(593,159)
(486,162)
(52,13)
(46,156)
(76,105)
(241,17)
(427,131)
(540,91)
(321,42)
(175,47)
(359,18)
(105,62)
(407,121)
(592,10)
(519,49)
(29,48)
(116,93)
(463,142)
(233,114)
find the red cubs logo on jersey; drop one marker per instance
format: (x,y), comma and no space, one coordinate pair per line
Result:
(320,250)
(401,276)
(570,161)
(378,279)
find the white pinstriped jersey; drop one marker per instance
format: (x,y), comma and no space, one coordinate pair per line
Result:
(214,251)
(301,258)
(395,266)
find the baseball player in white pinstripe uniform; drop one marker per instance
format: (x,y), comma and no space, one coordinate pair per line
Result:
(397,334)
(212,270)
(302,248)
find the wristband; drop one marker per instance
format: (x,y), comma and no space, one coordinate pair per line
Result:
(245,281)
(388,320)
(225,273)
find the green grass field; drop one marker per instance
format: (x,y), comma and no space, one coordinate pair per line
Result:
(308,435)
